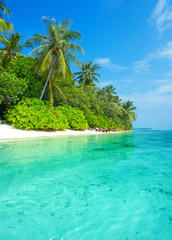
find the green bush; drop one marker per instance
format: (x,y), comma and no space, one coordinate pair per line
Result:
(18,81)
(23,69)
(11,88)
(92,119)
(75,117)
(99,120)
(32,113)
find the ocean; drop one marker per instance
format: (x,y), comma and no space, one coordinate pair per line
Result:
(98,187)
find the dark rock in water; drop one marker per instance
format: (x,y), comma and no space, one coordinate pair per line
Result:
(162,209)
(99,149)
(20,213)
(20,220)
(67,204)
(128,145)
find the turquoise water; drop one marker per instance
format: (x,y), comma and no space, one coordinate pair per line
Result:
(104,187)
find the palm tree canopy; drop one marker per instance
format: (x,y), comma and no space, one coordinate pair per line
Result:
(12,47)
(88,73)
(110,89)
(55,51)
(129,110)
(57,47)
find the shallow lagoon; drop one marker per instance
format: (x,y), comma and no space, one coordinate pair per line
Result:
(101,187)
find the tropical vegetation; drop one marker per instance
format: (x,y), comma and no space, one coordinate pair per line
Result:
(40,91)
(87,74)
(55,52)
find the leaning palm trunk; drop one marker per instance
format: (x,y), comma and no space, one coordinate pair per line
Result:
(51,92)
(43,91)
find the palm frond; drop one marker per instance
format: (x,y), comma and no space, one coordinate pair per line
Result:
(71,57)
(71,36)
(4,8)
(3,40)
(38,39)
(62,62)
(75,48)
(36,51)
(5,26)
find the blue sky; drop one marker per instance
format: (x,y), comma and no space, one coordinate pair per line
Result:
(131,40)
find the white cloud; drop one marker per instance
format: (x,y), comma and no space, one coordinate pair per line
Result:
(164,89)
(162,15)
(160,96)
(166,51)
(103,61)
(138,66)
(145,64)
(142,65)
(106,62)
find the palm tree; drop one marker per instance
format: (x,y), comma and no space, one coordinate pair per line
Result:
(110,101)
(128,110)
(88,73)
(4,25)
(110,89)
(11,47)
(55,51)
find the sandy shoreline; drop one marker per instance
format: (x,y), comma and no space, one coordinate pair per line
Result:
(8,132)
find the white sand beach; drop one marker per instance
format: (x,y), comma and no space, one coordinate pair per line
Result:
(9,132)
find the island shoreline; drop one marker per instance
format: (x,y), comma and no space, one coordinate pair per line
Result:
(8,132)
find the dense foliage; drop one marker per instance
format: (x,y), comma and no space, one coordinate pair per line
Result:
(11,88)
(17,81)
(73,101)
(75,117)
(23,69)
(31,113)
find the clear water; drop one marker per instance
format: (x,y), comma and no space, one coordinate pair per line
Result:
(105,187)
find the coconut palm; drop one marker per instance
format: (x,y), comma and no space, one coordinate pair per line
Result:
(110,89)
(4,25)
(128,110)
(12,47)
(113,98)
(88,73)
(55,51)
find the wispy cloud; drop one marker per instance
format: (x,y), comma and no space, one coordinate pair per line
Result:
(160,96)
(145,64)
(166,51)
(137,67)
(162,15)
(142,65)
(164,89)
(106,62)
